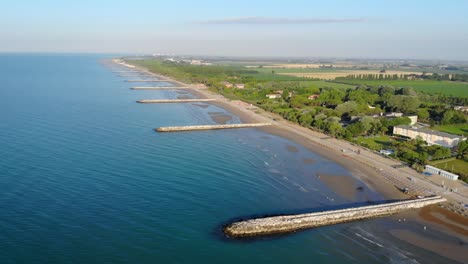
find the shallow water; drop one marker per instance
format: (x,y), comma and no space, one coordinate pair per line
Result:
(85,179)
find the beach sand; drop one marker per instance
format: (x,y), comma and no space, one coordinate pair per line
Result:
(365,168)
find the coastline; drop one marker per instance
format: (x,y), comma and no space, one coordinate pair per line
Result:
(367,167)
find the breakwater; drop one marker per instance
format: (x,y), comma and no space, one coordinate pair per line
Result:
(159,88)
(162,101)
(291,223)
(147,81)
(208,127)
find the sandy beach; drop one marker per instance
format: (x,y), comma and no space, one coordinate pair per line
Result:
(375,171)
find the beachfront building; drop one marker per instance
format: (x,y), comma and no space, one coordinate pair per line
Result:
(437,171)
(386,152)
(313,96)
(273,96)
(432,137)
(393,114)
(461,108)
(227,84)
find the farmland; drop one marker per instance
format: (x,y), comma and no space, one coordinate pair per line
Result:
(457,89)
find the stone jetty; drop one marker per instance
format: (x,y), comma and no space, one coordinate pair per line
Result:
(209,127)
(291,223)
(162,101)
(147,81)
(159,88)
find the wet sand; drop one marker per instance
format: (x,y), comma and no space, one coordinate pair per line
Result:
(292,149)
(449,249)
(220,118)
(201,105)
(181,97)
(344,186)
(452,221)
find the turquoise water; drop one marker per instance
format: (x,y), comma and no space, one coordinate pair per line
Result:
(85,179)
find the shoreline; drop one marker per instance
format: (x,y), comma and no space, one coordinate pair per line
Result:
(366,167)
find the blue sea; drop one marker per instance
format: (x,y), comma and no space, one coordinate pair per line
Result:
(84,178)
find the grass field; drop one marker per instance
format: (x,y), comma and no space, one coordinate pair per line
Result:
(428,86)
(268,76)
(453,165)
(375,143)
(457,129)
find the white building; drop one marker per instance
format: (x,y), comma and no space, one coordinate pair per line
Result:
(432,137)
(446,174)
(413,118)
(273,96)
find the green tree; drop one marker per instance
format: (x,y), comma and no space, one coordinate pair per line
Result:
(306,119)
(349,107)
(331,97)
(423,114)
(404,103)
(462,148)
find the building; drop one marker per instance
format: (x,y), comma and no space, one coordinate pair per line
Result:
(437,171)
(461,108)
(413,118)
(273,96)
(387,152)
(394,114)
(432,137)
(227,84)
(239,85)
(313,96)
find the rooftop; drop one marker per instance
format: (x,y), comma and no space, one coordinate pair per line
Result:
(431,132)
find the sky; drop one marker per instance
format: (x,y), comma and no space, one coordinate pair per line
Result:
(341,28)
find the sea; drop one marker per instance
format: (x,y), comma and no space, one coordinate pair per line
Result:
(84,178)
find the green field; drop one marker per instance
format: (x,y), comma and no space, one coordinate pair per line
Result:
(375,143)
(268,76)
(457,89)
(299,70)
(453,165)
(457,129)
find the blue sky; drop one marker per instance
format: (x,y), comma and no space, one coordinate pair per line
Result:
(379,28)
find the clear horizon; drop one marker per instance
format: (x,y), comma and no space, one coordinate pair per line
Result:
(419,30)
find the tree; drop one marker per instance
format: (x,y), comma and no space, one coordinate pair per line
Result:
(334,128)
(441,153)
(462,148)
(355,129)
(319,120)
(423,114)
(453,117)
(306,119)
(346,108)
(404,103)
(386,89)
(408,91)
(331,97)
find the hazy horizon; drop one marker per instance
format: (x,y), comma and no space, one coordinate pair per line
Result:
(420,30)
